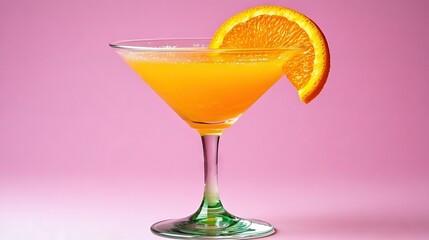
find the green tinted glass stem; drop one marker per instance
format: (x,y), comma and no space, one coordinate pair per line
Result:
(211,212)
(210,148)
(211,220)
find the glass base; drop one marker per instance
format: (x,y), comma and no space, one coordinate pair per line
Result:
(219,227)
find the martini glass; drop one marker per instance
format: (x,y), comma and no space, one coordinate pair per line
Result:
(209,89)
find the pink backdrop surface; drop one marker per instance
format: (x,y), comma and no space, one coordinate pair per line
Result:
(88,151)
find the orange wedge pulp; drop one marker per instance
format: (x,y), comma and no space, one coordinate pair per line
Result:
(272,27)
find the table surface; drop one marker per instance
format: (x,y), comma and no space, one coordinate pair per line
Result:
(124,207)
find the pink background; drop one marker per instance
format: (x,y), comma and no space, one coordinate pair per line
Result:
(88,151)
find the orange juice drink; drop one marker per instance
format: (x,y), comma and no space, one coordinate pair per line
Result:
(209,92)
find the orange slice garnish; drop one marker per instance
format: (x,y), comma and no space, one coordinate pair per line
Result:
(273,27)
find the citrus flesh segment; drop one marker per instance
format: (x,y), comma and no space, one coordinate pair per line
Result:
(279,27)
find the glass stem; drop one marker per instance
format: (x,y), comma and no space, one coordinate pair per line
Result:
(211,211)
(210,148)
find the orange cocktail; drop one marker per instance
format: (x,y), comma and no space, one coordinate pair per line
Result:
(210,90)
(211,82)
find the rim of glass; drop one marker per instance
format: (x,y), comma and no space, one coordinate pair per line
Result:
(143,45)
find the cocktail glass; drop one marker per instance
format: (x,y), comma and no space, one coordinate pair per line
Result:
(209,89)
